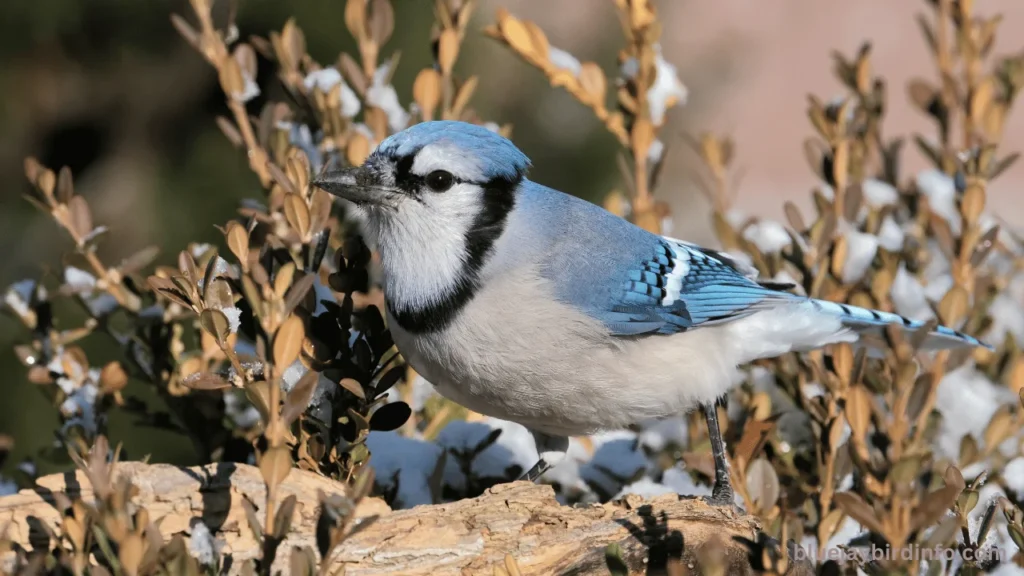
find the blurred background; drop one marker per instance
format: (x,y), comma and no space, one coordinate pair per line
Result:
(108,88)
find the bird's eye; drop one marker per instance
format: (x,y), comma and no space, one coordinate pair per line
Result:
(439,180)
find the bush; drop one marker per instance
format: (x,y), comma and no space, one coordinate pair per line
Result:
(278,354)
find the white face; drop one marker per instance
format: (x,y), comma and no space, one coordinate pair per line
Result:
(429,236)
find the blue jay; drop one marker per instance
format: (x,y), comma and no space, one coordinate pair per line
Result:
(528,304)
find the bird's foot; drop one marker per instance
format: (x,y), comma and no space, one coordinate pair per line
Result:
(722,497)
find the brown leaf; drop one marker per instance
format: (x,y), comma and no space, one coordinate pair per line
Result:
(219,295)
(65,189)
(953,306)
(755,435)
(231,79)
(517,36)
(984,246)
(187,266)
(839,257)
(382,21)
(842,361)
(593,82)
(250,515)
(426,90)
(130,552)
(187,31)
(357,150)
(855,507)
(354,387)
(353,73)
(113,378)
(275,464)
(858,410)
(464,94)
(299,396)
(355,18)
(216,323)
(288,342)
(933,507)
(762,484)
(1000,166)
(447,50)
(999,428)
(205,381)
(246,58)
(319,210)
(922,94)
(238,241)
(298,292)
(297,214)
(283,279)
(793,216)
(81,216)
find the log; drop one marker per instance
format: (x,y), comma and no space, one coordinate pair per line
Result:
(469,536)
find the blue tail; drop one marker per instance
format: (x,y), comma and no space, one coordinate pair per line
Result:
(872,323)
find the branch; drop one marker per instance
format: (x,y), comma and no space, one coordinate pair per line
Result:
(469,536)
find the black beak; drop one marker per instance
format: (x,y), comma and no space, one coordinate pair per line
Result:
(357,185)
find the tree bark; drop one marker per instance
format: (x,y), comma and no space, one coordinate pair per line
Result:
(470,536)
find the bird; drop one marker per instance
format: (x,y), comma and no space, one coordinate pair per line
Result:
(531,305)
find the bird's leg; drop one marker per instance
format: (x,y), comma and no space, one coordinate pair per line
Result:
(551,449)
(721,494)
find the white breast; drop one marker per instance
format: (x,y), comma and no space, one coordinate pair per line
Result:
(517,354)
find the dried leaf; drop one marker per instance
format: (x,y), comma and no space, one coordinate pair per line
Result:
(113,378)
(275,464)
(218,295)
(238,241)
(357,150)
(464,94)
(65,189)
(297,214)
(283,279)
(299,396)
(933,507)
(355,18)
(216,323)
(855,507)
(426,90)
(984,246)
(354,387)
(205,381)
(288,341)
(187,32)
(593,82)
(81,216)
(953,306)
(858,410)
(793,216)
(447,50)
(518,36)
(763,484)
(382,22)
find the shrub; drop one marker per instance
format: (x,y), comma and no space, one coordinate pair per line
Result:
(278,354)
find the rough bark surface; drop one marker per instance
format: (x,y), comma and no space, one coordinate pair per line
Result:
(470,536)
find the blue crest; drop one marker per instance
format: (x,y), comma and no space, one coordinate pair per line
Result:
(498,154)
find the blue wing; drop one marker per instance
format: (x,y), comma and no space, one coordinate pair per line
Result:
(682,286)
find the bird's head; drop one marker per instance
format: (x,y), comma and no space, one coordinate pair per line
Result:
(441,169)
(436,196)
